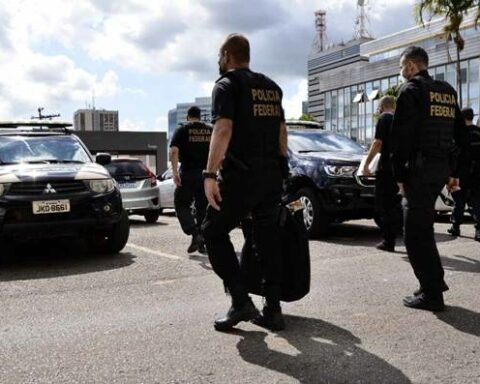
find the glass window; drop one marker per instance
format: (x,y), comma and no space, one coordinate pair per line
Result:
(384,85)
(451,75)
(464,81)
(31,149)
(340,103)
(308,141)
(439,73)
(328,106)
(334,111)
(393,81)
(473,76)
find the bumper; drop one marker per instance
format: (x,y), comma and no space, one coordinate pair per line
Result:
(346,200)
(140,200)
(89,214)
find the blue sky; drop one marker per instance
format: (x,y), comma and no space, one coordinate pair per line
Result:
(142,57)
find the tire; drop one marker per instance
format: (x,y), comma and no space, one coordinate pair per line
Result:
(314,216)
(118,236)
(151,217)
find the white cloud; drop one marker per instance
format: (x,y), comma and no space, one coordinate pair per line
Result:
(293,104)
(160,125)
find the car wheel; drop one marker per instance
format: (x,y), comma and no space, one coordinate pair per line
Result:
(118,236)
(151,217)
(314,216)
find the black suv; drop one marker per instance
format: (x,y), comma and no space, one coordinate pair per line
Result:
(50,187)
(323,168)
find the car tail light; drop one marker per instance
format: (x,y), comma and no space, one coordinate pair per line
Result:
(152,177)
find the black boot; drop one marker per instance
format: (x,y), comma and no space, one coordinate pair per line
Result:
(270,318)
(201,245)
(419,291)
(387,246)
(429,302)
(454,230)
(234,315)
(193,247)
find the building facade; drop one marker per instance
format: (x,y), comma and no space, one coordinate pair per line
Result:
(178,115)
(345,82)
(99,120)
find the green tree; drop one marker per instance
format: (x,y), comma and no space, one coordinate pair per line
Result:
(454,11)
(307,117)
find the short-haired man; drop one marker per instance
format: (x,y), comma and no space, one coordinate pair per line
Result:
(248,138)
(388,201)
(189,146)
(468,171)
(426,126)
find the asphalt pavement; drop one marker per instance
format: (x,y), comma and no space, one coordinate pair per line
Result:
(146,315)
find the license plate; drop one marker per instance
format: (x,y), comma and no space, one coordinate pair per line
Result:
(128,185)
(51,206)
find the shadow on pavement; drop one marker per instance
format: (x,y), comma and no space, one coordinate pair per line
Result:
(143,224)
(353,234)
(318,352)
(202,261)
(462,319)
(34,260)
(459,263)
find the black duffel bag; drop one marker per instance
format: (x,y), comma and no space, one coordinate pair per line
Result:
(295,254)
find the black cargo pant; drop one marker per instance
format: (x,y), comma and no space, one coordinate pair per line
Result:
(191,191)
(425,181)
(469,192)
(257,191)
(388,204)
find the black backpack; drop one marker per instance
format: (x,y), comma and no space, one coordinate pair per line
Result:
(295,253)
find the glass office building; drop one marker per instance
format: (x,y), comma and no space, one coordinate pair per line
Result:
(345,86)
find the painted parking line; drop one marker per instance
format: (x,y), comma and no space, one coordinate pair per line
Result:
(153,252)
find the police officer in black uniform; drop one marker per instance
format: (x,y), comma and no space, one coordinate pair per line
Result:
(427,125)
(248,137)
(387,199)
(189,146)
(468,171)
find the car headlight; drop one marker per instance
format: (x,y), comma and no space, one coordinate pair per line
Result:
(4,189)
(101,186)
(340,170)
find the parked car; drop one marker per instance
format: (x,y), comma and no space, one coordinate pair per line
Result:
(50,187)
(167,190)
(138,186)
(323,169)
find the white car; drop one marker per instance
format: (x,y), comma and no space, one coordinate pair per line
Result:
(166,190)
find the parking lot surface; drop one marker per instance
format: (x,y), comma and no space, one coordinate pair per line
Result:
(146,315)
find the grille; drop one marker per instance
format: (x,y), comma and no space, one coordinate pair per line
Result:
(38,188)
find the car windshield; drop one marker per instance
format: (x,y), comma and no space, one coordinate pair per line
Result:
(127,168)
(306,142)
(41,149)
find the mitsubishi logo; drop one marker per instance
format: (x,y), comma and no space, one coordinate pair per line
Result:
(49,189)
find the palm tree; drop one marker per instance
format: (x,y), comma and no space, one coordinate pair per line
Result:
(454,11)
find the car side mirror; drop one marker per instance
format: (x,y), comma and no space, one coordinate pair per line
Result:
(103,158)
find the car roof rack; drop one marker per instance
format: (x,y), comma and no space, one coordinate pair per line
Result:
(303,124)
(36,126)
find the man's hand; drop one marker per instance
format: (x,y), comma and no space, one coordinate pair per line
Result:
(212,192)
(177,180)
(453,184)
(401,189)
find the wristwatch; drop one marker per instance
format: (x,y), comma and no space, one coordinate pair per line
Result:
(209,175)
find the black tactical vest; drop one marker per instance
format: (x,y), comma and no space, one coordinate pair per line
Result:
(436,126)
(258,114)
